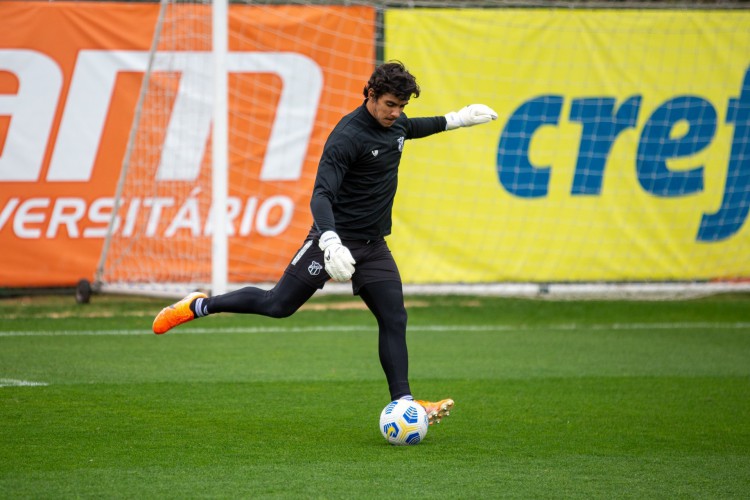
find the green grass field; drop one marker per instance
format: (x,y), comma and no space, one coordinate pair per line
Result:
(554,399)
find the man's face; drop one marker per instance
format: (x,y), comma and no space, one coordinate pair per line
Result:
(386,108)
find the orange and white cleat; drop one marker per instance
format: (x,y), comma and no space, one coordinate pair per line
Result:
(176,314)
(436,411)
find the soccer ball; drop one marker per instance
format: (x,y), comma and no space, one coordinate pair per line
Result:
(403,422)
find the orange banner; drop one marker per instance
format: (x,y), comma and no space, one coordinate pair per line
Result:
(70,76)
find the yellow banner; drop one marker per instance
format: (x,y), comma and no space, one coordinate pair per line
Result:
(620,153)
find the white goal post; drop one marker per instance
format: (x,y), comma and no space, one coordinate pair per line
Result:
(619,165)
(220,149)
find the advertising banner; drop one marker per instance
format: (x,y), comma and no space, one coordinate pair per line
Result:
(70,76)
(621,152)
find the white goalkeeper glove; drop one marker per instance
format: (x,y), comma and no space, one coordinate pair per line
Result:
(338,258)
(470,115)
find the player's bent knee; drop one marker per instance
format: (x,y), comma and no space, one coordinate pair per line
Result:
(396,321)
(279,310)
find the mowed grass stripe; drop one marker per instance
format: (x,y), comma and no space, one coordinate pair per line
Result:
(418,328)
(596,437)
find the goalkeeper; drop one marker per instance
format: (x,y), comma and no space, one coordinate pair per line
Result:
(351,205)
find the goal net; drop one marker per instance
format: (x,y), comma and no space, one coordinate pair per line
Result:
(166,172)
(620,156)
(279,60)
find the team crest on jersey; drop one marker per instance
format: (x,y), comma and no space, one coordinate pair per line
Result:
(400,143)
(314,268)
(374,152)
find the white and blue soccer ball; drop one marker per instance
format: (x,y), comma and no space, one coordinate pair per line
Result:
(403,422)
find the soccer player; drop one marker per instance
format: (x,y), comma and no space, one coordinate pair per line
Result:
(351,205)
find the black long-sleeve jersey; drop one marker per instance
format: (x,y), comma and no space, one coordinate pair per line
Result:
(358,173)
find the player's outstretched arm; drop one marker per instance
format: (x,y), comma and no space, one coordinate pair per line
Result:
(470,115)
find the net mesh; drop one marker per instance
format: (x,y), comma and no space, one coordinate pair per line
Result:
(620,155)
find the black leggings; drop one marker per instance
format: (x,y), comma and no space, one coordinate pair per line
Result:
(385,299)
(281,301)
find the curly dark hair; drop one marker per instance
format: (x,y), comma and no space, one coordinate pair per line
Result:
(392,78)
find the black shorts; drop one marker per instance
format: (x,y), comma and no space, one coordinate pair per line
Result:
(374,263)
